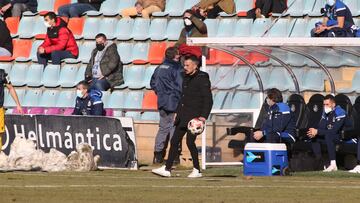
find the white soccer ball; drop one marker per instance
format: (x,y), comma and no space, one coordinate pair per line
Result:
(196,126)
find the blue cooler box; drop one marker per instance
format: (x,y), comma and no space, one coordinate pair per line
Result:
(265,159)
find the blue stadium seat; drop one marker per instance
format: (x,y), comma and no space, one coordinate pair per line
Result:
(222,100)
(91,27)
(308,6)
(260,26)
(85,50)
(296,10)
(241,73)
(190,3)
(355,85)
(315,11)
(299,28)
(226,27)
(313,80)
(39,27)
(281,28)
(68,75)
(124,29)
(80,76)
(241,100)
(106,98)
(108,27)
(26,27)
(133,100)
(157,29)
(141,29)
(243,5)
(125,4)
(125,52)
(9,101)
(6,67)
(33,53)
(147,76)
(255,101)
(280,79)
(299,74)
(18,74)
(224,77)
(150,116)
(243,28)
(117,99)
(134,115)
(212,26)
(108,8)
(211,70)
(66,99)
(251,82)
(174,29)
(134,77)
(140,52)
(49,98)
(34,75)
(32,98)
(331,57)
(173,8)
(51,76)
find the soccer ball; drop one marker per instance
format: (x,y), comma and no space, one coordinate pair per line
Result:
(196,126)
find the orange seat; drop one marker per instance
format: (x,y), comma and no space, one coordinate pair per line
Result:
(157,52)
(224,58)
(59,3)
(13,24)
(211,60)
(76,25)
(150,100)
(21,48)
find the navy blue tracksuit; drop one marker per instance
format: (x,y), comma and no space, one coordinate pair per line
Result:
(329,130)
(90,105)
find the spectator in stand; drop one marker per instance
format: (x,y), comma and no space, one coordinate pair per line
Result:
(144,8)
(77,9)
(263,8)
(6,46)
(88,101)
(59,42)
(337,21)
(16,7)
(105,69)
(166,81)
(212,8)
(194,27)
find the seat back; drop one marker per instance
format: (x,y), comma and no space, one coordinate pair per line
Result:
(313,112)
(297,107)
(344,102)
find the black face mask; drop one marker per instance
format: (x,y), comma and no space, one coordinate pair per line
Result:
(100,47)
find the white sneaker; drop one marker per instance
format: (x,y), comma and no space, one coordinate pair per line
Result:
(195,174)
(330,168)
(162,172)
(356,169)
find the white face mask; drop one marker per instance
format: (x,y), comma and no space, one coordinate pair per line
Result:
(47,24)
(187,22)
(79,93)
(327,110)
(330,2)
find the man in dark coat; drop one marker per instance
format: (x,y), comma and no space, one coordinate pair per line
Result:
(166,81)
(6,46)
(105,69)
(196,102)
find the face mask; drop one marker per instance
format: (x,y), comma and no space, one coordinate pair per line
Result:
(330,2)
(327,110)
(187,22)
(79,93)
(47,24)
(100,47)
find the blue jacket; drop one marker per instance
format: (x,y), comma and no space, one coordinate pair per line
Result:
(166,81)
(90,105)
(332,123)
(281,122)
(339,9)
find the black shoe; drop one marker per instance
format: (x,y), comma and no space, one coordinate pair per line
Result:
(158,158)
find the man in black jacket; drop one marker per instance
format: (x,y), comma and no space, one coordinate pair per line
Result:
(77,9)
(17,7)
(196,102)
(6,46)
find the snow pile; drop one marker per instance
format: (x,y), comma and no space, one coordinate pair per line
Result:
(24,156)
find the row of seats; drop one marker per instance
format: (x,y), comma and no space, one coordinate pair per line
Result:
(159,29)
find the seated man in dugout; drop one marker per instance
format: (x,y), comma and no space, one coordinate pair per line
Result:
(144,8)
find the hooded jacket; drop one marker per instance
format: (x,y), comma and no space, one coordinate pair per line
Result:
(90,105)
(60,38)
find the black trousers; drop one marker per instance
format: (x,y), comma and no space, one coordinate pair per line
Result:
(330,141)
(179,133)
(213,13)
